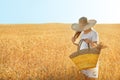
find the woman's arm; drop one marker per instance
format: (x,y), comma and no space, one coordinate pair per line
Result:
(76,35)
(92,43)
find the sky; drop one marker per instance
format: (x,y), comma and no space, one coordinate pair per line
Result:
(58,11)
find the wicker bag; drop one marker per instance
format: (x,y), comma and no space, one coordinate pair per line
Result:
(85,58)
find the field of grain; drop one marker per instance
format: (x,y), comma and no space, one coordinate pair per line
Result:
(41,52)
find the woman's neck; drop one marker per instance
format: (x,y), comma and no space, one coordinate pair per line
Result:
(87,31)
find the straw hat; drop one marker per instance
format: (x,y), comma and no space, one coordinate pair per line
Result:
(83,24)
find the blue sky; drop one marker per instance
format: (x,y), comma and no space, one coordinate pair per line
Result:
(58,11)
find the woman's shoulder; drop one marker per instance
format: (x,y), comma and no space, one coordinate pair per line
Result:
(94,31)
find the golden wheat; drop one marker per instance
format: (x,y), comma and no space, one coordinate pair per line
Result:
(41,52)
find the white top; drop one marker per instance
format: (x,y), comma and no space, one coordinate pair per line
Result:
(92,35)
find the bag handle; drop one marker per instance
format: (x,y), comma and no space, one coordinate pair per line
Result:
(81,43)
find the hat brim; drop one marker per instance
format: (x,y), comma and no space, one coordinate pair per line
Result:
(77,27)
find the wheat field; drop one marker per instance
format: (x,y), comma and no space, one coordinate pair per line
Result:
(41,52)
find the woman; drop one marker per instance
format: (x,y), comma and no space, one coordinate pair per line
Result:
(89,36)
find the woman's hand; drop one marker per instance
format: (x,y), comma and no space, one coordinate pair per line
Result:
(93,44)
(73,41)
(76,35)
(87,41)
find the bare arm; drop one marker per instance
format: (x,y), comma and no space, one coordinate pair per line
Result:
(92,43)
(76,35)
